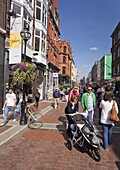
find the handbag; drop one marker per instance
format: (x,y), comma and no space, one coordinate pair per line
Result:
(113,114)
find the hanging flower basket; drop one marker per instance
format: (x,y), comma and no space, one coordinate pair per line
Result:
(23,73)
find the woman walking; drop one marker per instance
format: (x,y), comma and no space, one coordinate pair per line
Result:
(107,124)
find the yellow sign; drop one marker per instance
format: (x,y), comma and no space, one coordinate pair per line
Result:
(15,40)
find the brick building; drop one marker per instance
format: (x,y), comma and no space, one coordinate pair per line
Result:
(65,62)
(52,43)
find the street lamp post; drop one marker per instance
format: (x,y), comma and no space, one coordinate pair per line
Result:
(25,35)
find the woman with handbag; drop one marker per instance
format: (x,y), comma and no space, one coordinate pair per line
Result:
(106,106)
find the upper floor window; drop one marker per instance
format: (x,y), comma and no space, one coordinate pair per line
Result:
(37,40)
(118,51)
(38,10)
(64,59)
(17,9)
(64,70)
(44,16)
(56,15)
(118,35)
(113,55)
(118,69)
(64,49)
(43,42)
(114,40)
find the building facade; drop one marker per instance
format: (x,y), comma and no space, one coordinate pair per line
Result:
(105,68)
(53,36)
(115,50)
(65,63)
(33,16)
(4,52)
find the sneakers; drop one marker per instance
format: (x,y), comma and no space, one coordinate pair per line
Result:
(14,120)
(2,124)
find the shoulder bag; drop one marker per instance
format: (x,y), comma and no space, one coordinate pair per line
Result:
(113,114)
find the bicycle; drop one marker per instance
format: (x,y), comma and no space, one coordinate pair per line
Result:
(33,123)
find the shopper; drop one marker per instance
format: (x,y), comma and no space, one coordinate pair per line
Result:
(37,97)
(89,103)
(56,96)
(9,105)
(100,98)
(107,124)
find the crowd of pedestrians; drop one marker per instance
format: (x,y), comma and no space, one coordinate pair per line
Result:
(90,98)
(101,98)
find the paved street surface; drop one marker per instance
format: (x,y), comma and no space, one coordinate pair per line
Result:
(45,149)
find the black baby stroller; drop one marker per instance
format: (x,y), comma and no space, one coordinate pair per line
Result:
(82,134)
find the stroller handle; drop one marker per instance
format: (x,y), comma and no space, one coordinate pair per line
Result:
(73,114)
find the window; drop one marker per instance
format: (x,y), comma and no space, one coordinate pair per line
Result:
(64,49)
(64,70)
(118,35)
(25,14)
(17,9)
(38,10)
(113,55)
(43,42)
(64,59)
(37,40)
(118,51)
(44,16)
(56,15)
(118,69)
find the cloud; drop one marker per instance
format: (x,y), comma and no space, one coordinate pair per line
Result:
(94,48)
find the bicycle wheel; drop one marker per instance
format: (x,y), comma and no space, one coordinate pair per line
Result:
(35,125)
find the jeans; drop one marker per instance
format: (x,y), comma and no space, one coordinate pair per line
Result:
(107,135)
(90,115)
(19,110)
(8,109)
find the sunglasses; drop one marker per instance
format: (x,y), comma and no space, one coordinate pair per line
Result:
(89,89)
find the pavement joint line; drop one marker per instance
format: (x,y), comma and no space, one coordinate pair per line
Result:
(7,133)
(8,138)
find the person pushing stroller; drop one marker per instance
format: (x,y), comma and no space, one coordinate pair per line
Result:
(72,107)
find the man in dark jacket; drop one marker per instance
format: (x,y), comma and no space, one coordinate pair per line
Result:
(56,96)
(100,98)
(37,97)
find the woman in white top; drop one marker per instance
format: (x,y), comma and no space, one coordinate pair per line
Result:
(106,106)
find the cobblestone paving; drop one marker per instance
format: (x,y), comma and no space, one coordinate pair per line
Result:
(46,150)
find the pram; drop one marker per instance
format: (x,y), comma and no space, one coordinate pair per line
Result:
(82,134)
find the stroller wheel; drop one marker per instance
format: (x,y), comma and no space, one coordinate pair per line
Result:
(95,153)
(69,144)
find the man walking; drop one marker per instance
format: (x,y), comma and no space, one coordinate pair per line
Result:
(56,96)
(89,103)
(9,105)
(100,98)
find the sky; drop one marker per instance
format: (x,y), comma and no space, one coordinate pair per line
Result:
(88,25)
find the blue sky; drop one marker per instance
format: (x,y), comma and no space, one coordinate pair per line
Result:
(88,25)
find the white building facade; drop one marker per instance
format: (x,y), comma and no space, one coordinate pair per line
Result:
(33,14)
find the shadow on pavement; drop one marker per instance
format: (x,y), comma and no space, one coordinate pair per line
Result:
(62,130)
(118,164)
